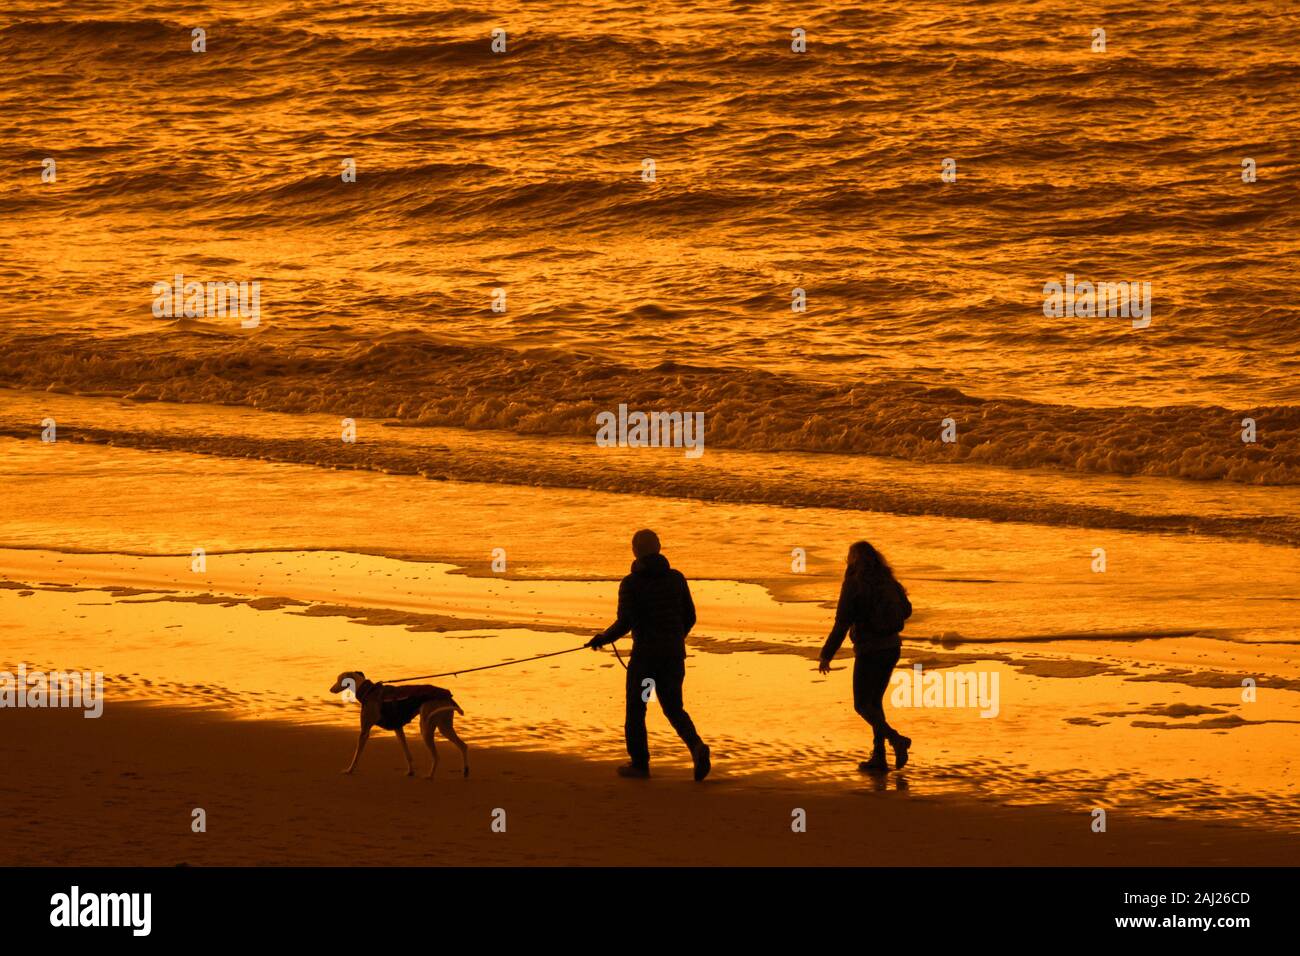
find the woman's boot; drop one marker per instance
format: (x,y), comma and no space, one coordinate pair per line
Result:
(877,763)
(901,745)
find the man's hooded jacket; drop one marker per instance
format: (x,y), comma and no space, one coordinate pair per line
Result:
(654,603)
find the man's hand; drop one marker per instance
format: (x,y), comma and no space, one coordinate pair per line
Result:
(823,667)
(594,642)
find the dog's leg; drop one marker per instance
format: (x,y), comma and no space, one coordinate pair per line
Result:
(401,738)
(450,733)
(426,731)
(361,745)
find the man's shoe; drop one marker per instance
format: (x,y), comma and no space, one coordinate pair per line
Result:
(633,770)
(702,763)
(901,745)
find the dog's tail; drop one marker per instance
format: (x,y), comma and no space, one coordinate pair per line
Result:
(445,706)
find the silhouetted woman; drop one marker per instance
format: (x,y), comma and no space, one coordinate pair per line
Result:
(872,608)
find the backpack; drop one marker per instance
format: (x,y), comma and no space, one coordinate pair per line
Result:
(887,609)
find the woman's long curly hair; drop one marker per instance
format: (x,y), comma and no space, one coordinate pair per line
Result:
(867,569)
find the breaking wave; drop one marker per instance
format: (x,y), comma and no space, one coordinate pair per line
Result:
(418,379)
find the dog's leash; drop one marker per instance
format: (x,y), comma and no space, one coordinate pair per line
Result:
(488,667)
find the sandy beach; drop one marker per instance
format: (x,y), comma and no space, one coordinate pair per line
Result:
(216,682)
(125,787)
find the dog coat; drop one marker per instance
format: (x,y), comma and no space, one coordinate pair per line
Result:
(398,704)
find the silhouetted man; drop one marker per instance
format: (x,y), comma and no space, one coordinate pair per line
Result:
(655,604)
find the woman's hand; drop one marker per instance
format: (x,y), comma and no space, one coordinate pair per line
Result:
(823,667)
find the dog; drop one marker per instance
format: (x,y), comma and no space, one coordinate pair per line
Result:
(392,708)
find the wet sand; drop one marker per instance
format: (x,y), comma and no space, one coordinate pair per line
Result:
(1119,691)
(124,787)
(1138,725)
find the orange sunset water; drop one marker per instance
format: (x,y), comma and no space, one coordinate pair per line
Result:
(449,242)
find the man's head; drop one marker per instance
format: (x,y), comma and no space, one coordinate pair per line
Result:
(645,543)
